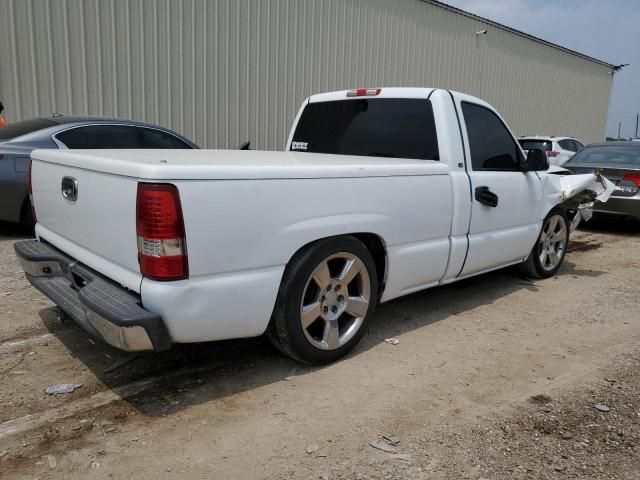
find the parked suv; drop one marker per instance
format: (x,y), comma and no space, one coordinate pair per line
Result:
(558,149)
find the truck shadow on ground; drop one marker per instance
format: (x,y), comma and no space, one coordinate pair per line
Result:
(611,225)
(192,374)
(13,231)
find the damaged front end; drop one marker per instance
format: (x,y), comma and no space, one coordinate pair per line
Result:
(576,193)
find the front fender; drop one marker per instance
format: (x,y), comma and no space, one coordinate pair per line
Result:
(564,190)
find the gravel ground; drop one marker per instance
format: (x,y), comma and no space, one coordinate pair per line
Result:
(494,377)
(584,433)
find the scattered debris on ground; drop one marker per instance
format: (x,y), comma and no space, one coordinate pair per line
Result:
(601,408)
(391,440)
(62,389)
(384,446)
(407,457)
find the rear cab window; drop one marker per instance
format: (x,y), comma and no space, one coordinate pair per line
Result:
(380,127)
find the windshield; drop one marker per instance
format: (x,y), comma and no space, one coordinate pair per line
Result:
(382,127)
(543,145)
(13,130)
(598,155)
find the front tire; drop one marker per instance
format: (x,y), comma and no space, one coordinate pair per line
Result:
(328,293)
(548,253)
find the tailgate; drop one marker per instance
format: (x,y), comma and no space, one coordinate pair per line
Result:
(98,226)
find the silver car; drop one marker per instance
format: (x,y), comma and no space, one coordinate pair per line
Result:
(620,163)
(17,140)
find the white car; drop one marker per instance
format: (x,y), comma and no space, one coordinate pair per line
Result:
(384,192)
(558,149)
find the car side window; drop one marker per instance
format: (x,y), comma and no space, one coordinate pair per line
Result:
(578,145)
(100,136)
(152,138)
(492,146)
(567,145)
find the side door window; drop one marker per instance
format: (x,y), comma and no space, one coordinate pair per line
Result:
(567,145)
(152,138)
(578,145)
(101,136)
(492,146)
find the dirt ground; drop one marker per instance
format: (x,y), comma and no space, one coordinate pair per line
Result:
(496,377)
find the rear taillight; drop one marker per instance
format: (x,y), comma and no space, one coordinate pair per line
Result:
(364,92)
(633,177)
(162,248)
(553,154)
(33,208)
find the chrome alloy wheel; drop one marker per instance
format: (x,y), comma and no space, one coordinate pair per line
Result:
(553,242)
(335,301)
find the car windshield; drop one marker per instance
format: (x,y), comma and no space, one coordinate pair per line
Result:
(13,130)
(618,154)
(543,145)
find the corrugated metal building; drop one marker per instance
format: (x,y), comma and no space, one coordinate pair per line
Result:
(224,71)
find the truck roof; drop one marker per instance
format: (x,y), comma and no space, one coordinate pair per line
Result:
(387,92)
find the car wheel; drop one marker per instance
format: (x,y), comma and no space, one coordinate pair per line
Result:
(550,248)
(328,293)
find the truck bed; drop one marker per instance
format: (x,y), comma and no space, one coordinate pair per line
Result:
(234,164)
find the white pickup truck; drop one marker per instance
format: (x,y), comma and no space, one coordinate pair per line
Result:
(383,192)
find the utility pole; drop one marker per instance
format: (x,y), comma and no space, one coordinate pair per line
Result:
(614,70)
(637,118)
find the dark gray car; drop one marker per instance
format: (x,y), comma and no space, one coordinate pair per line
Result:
(620,163)
(17,140)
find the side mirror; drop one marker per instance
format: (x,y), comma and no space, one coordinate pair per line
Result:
(536,161)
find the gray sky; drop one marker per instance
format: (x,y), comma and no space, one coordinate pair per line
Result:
(608,30)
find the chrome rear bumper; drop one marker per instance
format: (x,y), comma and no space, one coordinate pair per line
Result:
(105,310)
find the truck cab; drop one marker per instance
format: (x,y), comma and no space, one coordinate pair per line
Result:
(498,200)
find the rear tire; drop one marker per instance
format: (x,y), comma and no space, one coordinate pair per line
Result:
(328,293)
(548,253)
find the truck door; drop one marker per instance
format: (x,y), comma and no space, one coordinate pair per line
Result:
(505,201)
